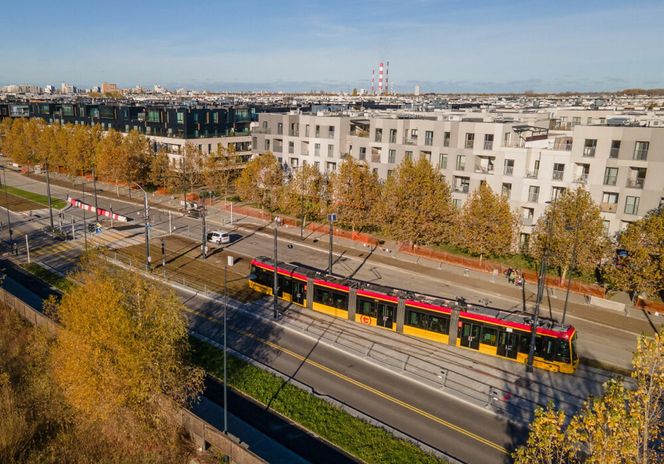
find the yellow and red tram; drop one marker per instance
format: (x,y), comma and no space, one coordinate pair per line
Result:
(488,330)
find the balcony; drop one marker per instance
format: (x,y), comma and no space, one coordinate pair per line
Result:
(508,170)
(636,183)
(558,175)
(261,130)
(581,179)
(469,144)
(360,132)
(608,207)
(410,140)
(533,197)
(532,174)
(484,169)
(488,144)
(527,220)
(614,152)
(463,188)
(294,133)
(589,152)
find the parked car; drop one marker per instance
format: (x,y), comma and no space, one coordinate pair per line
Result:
(219,237)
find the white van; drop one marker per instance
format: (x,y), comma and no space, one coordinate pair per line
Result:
(219,236)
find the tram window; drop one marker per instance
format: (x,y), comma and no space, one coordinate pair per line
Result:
(263,277)
(524,343)
(284,284)
(575,356)
(545,347)
(562,354)
(366,307)
(489,336)
(426,321)
(330,297)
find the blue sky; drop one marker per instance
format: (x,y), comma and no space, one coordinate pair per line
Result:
(443,45)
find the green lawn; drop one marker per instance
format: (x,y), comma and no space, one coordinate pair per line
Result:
(51,278)
(36,197)
(369,443)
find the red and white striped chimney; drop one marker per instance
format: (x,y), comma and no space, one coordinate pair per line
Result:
(380,78)
(373,79)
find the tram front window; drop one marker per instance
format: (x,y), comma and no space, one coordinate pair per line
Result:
(575,356)
(563,352)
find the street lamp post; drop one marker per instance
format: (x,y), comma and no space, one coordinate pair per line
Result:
(94,187)
(85,224)
(225,350)
(540,291)
(146,208)
(331,218)
(48,195)
(275,287)
(204,236)
(9,218)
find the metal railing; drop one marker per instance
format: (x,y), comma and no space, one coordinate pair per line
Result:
(636,183)
(462,188)
(483,170)
(469,144)
(527,220)
(262,130)
(641,155)
(532,174)
(582,179)
(558,175)
(409,141)
(488,145)
(508,170)
(609,207)
(614,152)
(588,152)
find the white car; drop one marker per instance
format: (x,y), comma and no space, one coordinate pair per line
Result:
(218,237)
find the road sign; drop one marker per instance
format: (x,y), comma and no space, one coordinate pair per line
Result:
(365,320)
(332,217)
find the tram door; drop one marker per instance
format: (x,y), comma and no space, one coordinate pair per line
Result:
(507,344)
(470,335)
(384,315)
(299,292)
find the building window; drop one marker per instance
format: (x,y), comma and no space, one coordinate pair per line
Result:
(291,147)
(267,145)
(589,148)
(637,177)
(180,117)
(428,138)
(280,128)
(609,202)
(461,162)
(393,136)
(533,193)
(632,205)
(506,190)
(330,151)
(442,161)
(391,156)
(457,202)
(331,132)
(641,150)
(409,154)
(615,149)
(317,149)
(610,176)
(154,116)
(508,167)
(488,141)
(558,171)
(446,139)
(306,130)
(606,225)
(317,131)
(556,192)
(379,135)
(363,153)
(470,140)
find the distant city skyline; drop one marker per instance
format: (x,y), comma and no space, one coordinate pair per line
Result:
(442,46)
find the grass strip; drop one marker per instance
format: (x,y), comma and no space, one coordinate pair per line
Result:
(36,197)
(604,366)
(51,278)
(367,442)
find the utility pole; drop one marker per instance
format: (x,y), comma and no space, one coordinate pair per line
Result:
(94,186)
(332,218)
(204,237)
(225,351)
(9,218)
(302,205)
(574,251)
(48,195)
(275,287)
(146,208)
(541,279)
(85,224)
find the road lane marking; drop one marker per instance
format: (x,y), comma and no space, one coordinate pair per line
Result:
(363,386)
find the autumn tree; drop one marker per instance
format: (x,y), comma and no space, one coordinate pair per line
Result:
(112,158)
(640,266)
(221,169)
(416,206)
(160,168)
(547,441)
(354,192)
(260,181)
(302,195)
(577,233)
(123,347)
(622,425)
(139,157)
(487,226)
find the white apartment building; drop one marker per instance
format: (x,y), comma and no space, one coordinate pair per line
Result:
(516,154)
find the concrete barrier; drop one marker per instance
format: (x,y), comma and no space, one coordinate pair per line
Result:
(608,304)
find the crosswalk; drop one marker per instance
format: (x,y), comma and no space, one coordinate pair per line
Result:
(112,239)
